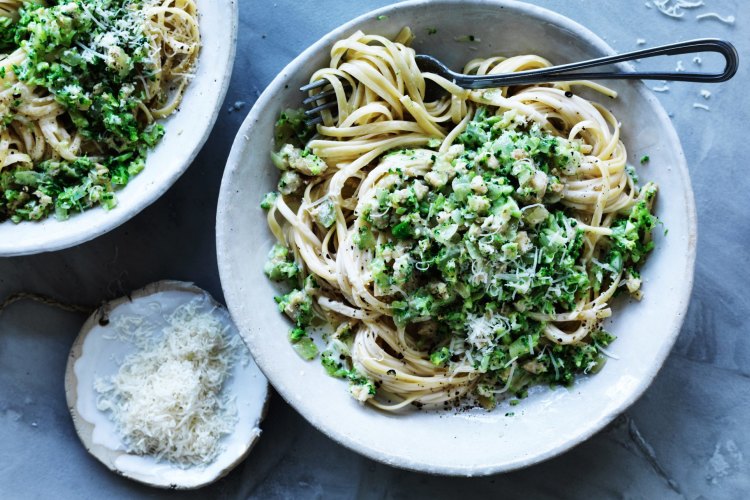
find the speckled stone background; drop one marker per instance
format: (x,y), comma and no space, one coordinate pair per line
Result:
(687,437)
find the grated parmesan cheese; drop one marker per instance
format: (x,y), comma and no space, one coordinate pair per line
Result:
(714,15)
(166,399)
(674,8)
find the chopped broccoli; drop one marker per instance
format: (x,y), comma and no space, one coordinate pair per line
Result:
(300,160)
(95,71)
(471,251)
(632,235)
(440,357)
(306,348)
(290,182)
(298,306)
(268,200)
(324,213)
(280,264)
(291,127)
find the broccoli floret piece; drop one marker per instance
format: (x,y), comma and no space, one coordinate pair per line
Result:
(360,387)
(630,170)
(333,366)
(310,285)
(298,306)
(291,126)
(477,132)
(417,306)
(280,265)
(632,236)
(364,237)
(523,345)
(306,348)
(532,182)
(602,338)
(301,160)
(268,200)
(440,357)
(324,213)
(403,230)
(7,34)
(290,182)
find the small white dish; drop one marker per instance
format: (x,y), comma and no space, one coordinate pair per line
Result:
(96,354)
(549,421)
(186,132)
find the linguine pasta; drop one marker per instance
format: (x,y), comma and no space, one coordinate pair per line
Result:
(464,245)
(81,87)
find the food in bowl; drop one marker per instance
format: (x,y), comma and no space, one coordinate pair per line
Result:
(462,247)
(82,87)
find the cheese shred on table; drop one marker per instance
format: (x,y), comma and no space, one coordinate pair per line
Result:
(166,398)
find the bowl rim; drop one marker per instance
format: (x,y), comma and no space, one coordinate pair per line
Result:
(223,230)
(122,214)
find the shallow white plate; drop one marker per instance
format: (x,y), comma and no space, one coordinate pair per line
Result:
(546,423)
(96,354)
(186,132)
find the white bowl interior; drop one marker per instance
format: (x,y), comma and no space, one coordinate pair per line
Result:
(548,421)
(186,131)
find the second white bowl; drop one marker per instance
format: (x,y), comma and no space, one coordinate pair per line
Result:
(549,421)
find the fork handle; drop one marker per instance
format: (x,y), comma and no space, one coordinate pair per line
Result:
(566,72)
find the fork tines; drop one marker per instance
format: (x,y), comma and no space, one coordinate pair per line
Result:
(318,102)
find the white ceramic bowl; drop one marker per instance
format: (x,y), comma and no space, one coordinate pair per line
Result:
(186,132)
(546,423)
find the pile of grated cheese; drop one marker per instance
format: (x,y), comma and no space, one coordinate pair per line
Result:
(166,399)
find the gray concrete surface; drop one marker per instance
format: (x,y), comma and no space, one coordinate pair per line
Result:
(687,437)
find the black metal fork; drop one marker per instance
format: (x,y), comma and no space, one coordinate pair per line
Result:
(315,103)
